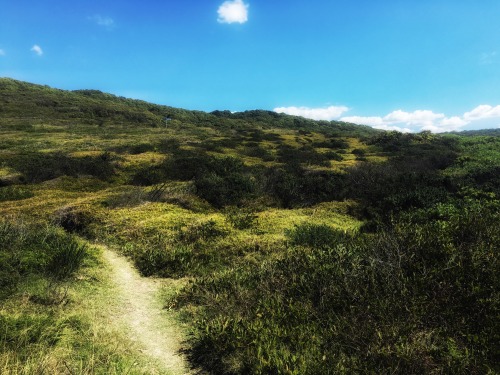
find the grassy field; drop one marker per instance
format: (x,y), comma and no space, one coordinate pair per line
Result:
(292,246)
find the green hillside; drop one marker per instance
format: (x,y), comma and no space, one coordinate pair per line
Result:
(296,246)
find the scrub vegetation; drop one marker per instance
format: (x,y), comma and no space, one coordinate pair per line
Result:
(299,246)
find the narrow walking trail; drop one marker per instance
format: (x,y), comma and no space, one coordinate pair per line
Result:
(137,308)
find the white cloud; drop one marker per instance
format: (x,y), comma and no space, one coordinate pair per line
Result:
(399,120)
(482,117)
(327,114)
(411,121)
(375,122)
(447,124)
(482,112)
(103,21)
(393,128)
(2,52)
(416,118)
(235,11)
(37,49)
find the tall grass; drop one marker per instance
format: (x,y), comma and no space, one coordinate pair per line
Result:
(418,297)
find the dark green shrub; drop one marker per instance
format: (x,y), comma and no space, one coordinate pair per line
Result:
(318,236)
(419,297)
(148,176)
(66,257)
(224,182)
(240,218)
(358,152)
(19,332)
(34,250)
(205,231)
(38,167)
(258,152)
(333,156)
(169,145)
(304,155)
(333,143)
(134,149)
(14,193)
(296,186)
(225,190)
(185,166)
(170,260)
(75,219)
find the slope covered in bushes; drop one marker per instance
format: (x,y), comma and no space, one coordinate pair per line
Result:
(312,247)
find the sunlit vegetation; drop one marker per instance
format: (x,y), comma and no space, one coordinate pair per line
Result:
(311,247)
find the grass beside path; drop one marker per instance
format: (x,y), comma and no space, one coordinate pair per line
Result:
(106,319)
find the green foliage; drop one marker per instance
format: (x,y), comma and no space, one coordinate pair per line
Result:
(332,143)
(296,186)
(416,295)
(205,230)
(75,219)
(224,182)
(37,167)
(14,193)
(304,155)
(29,249)
(67,257)
(274,290)
(189,250)
(22,332)
(411,180)
(168,261)
(240,218)
(318,236)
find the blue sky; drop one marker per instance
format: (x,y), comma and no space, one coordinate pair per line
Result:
(409,65)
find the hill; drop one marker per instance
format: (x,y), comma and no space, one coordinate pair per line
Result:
(297,246)
(22,100)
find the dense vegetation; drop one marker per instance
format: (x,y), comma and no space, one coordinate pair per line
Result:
(313,247)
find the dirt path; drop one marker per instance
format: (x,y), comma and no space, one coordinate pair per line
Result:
(138,309)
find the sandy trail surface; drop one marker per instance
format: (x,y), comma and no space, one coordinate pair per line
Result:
(137,308)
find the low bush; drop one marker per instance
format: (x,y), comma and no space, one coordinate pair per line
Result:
(240,218)
(418,297)
(129,197)
(305,155)
(224,181)
(19,332)
(317,236)
(15,193)
(201,231)
(75,219)
(29,249)
(67,256)
(169,260)
(38,167)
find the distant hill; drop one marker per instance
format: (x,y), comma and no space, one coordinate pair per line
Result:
(22,100)
(481,132)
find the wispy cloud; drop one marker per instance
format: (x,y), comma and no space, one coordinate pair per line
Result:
(103,21)
(234,11)
(2,52)
(487,58)
(327,113)
(37,50)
